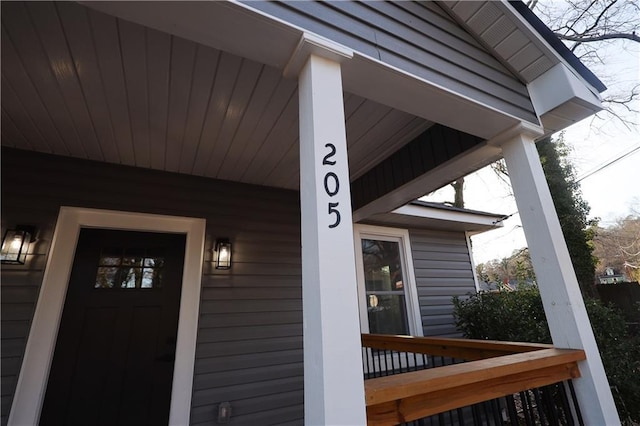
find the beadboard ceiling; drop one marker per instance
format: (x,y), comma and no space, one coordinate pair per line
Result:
(80,83)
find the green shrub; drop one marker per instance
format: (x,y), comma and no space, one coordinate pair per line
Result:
(516,316)
(519,316)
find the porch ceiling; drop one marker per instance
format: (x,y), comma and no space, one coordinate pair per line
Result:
(81,83)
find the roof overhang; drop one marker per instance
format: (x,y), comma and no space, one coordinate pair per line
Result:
(562,89)
(435,216)
(560,98)
(556,44)
(247,32)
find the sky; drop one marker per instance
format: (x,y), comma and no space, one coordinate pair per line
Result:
(612,192)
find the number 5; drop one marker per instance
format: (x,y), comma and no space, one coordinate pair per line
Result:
(332,209)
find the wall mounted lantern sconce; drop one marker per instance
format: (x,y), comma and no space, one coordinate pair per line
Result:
(15,244)
(223,254)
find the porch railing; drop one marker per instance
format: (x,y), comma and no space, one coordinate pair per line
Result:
(436,381)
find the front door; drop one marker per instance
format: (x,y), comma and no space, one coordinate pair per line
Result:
(114,356)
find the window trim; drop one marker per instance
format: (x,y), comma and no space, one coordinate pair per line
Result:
(411,291)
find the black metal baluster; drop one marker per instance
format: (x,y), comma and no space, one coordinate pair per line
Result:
(486,408)
(526,408)
(477,414)
(386,365)
(540,406)
(574,399)
(511,409)
(551,408)
(566,405)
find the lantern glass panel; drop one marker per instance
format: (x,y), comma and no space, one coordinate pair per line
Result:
(223,255)
(14,246)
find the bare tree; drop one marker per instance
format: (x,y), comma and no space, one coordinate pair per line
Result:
(582,22)
(458,187)
(515,268)
(586,26)
(618,247)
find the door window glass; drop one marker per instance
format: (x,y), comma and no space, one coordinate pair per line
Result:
(129,268)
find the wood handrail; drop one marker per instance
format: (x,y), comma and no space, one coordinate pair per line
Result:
(467,349)
(409,396)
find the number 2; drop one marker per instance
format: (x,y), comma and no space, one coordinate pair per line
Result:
(325,160)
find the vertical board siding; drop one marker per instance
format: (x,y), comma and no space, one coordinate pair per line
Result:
(433,147)
(84,84)
(249,349)
(443,269)
(418,37)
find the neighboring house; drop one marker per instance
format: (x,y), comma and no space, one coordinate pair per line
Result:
(610,276)
(140,139)
(511,285)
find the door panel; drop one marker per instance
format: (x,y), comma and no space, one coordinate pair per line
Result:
(113,362)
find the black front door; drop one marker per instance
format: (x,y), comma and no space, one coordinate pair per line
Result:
(114,356)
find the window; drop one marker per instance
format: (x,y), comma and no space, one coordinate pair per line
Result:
(129,268)
(386,283)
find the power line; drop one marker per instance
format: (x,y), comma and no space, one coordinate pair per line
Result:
(503,218)
(620,157)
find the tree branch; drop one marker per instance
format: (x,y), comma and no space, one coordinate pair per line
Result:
(570,26)
(597,21)
(611,36)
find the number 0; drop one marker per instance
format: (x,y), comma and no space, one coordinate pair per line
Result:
(336,184)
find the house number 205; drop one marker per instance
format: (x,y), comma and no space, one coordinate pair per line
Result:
(331,184)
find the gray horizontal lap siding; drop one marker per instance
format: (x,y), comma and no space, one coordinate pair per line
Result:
(442,267)
(417,37)
(249,349)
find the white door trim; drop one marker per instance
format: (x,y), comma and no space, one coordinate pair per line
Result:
(32,382)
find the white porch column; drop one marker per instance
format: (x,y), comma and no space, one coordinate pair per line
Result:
(333,378)
(561,297)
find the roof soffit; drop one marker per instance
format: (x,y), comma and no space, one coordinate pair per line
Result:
(90,85)
(431,216)
(239,29)
(520,47)
(505,32)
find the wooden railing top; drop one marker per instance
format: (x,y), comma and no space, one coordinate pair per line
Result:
(467,349)
(498,369)
(389,388)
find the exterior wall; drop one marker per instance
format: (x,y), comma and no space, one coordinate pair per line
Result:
(418,37)
(443,269)
(250,330)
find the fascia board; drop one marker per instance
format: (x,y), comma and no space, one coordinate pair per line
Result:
(448,215)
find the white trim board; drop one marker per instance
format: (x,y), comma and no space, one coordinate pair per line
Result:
(34,373)
(402,237)
(467,237)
